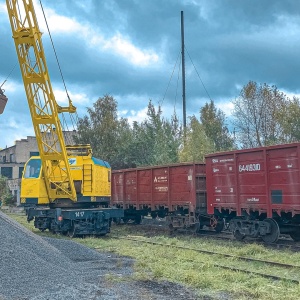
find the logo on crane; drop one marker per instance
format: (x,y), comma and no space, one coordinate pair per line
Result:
(72,161)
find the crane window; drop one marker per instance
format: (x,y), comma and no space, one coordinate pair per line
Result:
(33,169)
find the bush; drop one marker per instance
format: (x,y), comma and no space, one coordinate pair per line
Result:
(6,197)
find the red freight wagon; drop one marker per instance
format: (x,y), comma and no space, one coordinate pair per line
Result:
(258,190)
(177,191)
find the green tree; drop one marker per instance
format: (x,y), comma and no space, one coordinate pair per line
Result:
(156,140)
(255,112)
(196,144)
(213,121)
(289,119)
(108,135)
(6,196)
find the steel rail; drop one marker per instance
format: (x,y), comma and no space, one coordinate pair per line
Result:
(225,255)
(286,244)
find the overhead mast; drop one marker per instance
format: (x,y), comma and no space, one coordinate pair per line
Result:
(183,72)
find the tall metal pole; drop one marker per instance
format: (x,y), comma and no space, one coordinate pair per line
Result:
(183,72)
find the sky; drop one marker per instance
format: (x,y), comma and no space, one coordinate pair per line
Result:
(130,49)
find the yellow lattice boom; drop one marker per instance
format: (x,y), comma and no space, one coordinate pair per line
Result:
(42,104)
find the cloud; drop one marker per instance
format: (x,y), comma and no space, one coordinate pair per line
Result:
(126,49)
(76,98)
(93,37)
(226,107)
(3,8)
(11,86)
(134,115)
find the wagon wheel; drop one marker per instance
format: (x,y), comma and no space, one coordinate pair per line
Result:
(71,232)
(217,224)
(238,235)
(195,228)
(273,236)
(220,226)
(295,235)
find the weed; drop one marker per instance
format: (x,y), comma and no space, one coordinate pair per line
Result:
(198,270)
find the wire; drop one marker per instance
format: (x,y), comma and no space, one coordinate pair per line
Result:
(8,75)
(161,102)
(66,130)
(198,74)
(177,85)
(60,70)
(62,77)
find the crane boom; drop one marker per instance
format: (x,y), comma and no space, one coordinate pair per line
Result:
(42,104)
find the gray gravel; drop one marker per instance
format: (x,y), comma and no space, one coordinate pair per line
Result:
(32,267)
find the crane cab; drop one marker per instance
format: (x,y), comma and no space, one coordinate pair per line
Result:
(91,177)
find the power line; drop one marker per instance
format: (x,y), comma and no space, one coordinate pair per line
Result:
(198,74)
(161,102)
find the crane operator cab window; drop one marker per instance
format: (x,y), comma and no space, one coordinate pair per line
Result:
(33,168)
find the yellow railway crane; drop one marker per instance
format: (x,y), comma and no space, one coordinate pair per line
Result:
(42,104)
(74,185)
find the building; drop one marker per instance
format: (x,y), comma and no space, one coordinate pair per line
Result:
(13,159)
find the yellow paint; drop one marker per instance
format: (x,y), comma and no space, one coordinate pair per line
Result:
(94,183)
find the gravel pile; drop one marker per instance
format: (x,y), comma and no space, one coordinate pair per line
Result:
(36,268)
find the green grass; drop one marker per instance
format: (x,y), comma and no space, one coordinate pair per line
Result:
(197,270)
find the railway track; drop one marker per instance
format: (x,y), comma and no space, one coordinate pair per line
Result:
(218,265)
(283,243)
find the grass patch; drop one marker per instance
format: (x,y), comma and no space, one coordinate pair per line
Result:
(198,270)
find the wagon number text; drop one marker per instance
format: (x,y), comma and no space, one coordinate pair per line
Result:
(79,213)
(249,168)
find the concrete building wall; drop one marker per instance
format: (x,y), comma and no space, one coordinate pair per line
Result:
(24,148)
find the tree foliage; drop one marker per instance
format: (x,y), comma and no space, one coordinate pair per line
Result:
(196,144)
(150,142)
(213,121)
(6,196)
(156,140)
(109,136)
(255,115)
(288,118)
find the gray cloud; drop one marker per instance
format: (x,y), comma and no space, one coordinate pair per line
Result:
(230,42)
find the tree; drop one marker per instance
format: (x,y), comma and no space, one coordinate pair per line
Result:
(255,112)
(156,140)
(213,121)
(6,197)
(108,135)
(289,119)
(196,144)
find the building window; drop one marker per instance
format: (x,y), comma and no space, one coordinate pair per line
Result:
(4,158)
(21,171)
(34,153)
(12,157)
(7,172)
